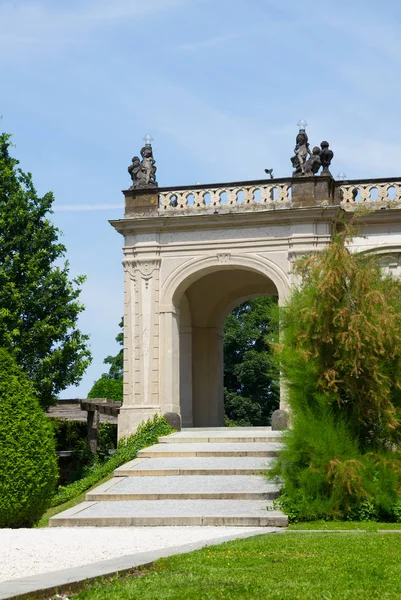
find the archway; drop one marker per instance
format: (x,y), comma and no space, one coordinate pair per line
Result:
(202,303)
(251,377)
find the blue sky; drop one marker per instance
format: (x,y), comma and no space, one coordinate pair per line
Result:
(220,85)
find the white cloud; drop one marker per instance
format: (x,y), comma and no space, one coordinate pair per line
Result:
(40,24)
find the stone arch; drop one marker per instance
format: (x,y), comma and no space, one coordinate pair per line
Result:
(189,272)
(196,298)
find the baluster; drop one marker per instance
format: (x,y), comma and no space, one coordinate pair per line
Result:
(266,194)
(282,193)
(198,198)
(232,196)
(397,187)
(365,193)
(248,196)
(181,200)
(347,195)
(164,201)
(214,197)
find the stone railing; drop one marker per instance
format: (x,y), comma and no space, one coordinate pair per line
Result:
(264,194)
(251,194)
(372,193)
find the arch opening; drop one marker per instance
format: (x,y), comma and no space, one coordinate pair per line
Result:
(203,303)
(251,378)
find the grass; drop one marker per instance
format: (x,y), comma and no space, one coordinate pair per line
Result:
(54,510)
(276,567)
(68,496)
(343,525)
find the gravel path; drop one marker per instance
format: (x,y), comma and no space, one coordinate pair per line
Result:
(26,552)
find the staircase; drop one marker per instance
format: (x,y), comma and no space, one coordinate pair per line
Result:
(194,477)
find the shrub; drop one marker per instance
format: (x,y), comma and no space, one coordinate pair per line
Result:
(340,353)
(146,435)
(28,463)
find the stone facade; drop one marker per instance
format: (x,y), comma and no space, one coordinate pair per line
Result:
(194,254)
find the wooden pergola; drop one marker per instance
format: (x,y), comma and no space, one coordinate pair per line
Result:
(98,410)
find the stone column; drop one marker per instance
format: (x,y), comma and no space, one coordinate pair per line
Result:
(170,360)
(208,391)
(186,375)
(141,341)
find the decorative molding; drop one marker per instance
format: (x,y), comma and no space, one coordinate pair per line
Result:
(143,267)
(129,267)
(224,257)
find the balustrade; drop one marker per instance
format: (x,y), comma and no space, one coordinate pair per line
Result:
(373,194)
(194,199)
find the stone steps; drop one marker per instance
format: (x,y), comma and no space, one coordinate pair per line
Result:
(155,513)
(193,465)
(234,435)
(163,450)
(196,487)
(194,477)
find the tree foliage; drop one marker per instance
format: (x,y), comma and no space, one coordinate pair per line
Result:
(39,304)
(107,387)
(110,385)
(116,362)
(251,378)
(341,357)
(28,463)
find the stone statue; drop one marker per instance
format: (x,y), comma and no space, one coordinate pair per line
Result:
(313,164)
(301,151)
(307,164)
(326,156)
(143,172)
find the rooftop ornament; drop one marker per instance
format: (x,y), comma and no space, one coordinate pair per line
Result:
(143,172)
(305,162)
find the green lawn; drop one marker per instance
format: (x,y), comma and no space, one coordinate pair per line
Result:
(343,525)
(54,510)
(283,566)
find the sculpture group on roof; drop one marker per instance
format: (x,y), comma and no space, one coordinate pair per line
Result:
(307,163)
(143,172)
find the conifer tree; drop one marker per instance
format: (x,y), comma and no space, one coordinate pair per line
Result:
(341,356)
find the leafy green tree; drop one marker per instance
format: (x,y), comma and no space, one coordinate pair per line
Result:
(110,385)
(116,362)
(251,379)
(107,387)
(39,304)
(28,462)
(341,356)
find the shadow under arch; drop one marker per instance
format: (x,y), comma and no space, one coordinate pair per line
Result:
(185,275)
(200,295)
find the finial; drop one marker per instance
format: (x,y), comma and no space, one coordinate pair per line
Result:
(302,124)
(148,139)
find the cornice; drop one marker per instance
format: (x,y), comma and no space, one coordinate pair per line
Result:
(223,220)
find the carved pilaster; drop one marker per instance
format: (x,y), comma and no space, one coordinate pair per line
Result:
(141,335)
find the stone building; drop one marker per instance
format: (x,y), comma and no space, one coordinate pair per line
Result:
(191,254)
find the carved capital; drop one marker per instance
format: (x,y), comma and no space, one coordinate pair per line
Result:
(146,267)
(129,267)
(142,267)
